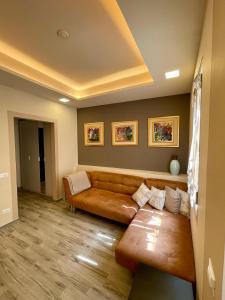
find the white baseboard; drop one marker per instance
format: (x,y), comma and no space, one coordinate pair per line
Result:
(141,173)
(4,223)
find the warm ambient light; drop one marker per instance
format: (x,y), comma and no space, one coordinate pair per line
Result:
(64,100)
(133,72)
(172,74)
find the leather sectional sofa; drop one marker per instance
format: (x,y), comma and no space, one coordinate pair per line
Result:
(156,238)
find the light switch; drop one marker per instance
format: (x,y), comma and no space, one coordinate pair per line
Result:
(4,175)
(6,211)
(211,277)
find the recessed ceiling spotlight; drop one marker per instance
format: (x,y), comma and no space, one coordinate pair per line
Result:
(64,100)
(172,74)
(63,34)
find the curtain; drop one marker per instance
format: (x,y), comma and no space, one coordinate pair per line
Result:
(193,163)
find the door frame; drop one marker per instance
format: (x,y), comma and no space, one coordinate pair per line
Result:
(54,146)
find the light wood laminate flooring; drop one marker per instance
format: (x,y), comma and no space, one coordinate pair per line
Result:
(52,253)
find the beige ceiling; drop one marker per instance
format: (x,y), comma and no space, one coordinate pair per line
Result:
(99,56)
(104,60)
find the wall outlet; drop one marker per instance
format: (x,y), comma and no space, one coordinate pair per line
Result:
(211,277)
(6,211)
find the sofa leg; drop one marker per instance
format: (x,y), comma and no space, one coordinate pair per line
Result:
(72,208)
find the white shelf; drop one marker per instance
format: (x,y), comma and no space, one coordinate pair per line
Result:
(141,173)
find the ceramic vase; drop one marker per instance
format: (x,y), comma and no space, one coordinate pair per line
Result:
(174,167)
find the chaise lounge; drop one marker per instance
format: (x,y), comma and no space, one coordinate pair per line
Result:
(156,238)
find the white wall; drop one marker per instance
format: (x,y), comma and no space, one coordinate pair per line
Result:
(215,199)
(204,62)
(66,119)
(208,226)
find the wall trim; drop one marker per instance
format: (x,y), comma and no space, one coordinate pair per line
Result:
(142,173)
(55,180)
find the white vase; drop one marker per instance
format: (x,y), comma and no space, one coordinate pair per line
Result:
(174,167)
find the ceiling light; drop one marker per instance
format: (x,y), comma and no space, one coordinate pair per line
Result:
(172,74)
(63,34)
(64,100)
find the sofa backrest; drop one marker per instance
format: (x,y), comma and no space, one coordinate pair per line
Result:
(114,182)
(161,183)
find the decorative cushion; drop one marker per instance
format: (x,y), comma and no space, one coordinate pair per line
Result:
(78,182)
(142,195)
(173,200)
(185,203)
(117,183)
(157,199)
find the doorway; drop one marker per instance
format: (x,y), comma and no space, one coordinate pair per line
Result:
(33,145)
(51,164)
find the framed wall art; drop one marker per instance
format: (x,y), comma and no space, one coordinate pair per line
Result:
(163,131)
(94,134)
(125,133)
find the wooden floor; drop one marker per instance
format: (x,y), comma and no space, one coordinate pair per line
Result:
(51,253)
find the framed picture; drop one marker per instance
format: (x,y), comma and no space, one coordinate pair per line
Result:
(163,131)
(125,133)
(94,134)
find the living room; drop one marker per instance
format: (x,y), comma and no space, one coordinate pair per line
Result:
(111,168)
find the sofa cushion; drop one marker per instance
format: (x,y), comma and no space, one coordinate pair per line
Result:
(185,204)
(142,195)
(162,183)
(172,203)
(157,199)
(159,239)
(78,182)
(114,206)
(118,183)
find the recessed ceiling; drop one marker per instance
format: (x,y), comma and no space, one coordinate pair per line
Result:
(111,47)
(98,55)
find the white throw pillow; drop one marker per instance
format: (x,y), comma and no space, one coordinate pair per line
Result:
(158,198)
(142,195)
(78,182)
(185,203)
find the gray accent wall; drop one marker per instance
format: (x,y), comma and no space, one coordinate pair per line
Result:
(139,157)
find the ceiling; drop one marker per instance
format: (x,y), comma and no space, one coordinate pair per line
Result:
(117,50)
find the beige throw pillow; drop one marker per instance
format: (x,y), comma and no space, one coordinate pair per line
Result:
(78,182)
(142,195)
(173,200)
(185,203)
(157,199)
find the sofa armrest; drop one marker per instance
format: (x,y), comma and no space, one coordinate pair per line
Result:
(67,191)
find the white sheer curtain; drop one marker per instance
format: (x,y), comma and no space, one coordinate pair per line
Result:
(193,164)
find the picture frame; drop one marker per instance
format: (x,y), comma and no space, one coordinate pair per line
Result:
(163,131)
(125,133)
(94,134)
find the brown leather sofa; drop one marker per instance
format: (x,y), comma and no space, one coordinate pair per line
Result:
(156,238)
(159,239)
(109,196)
